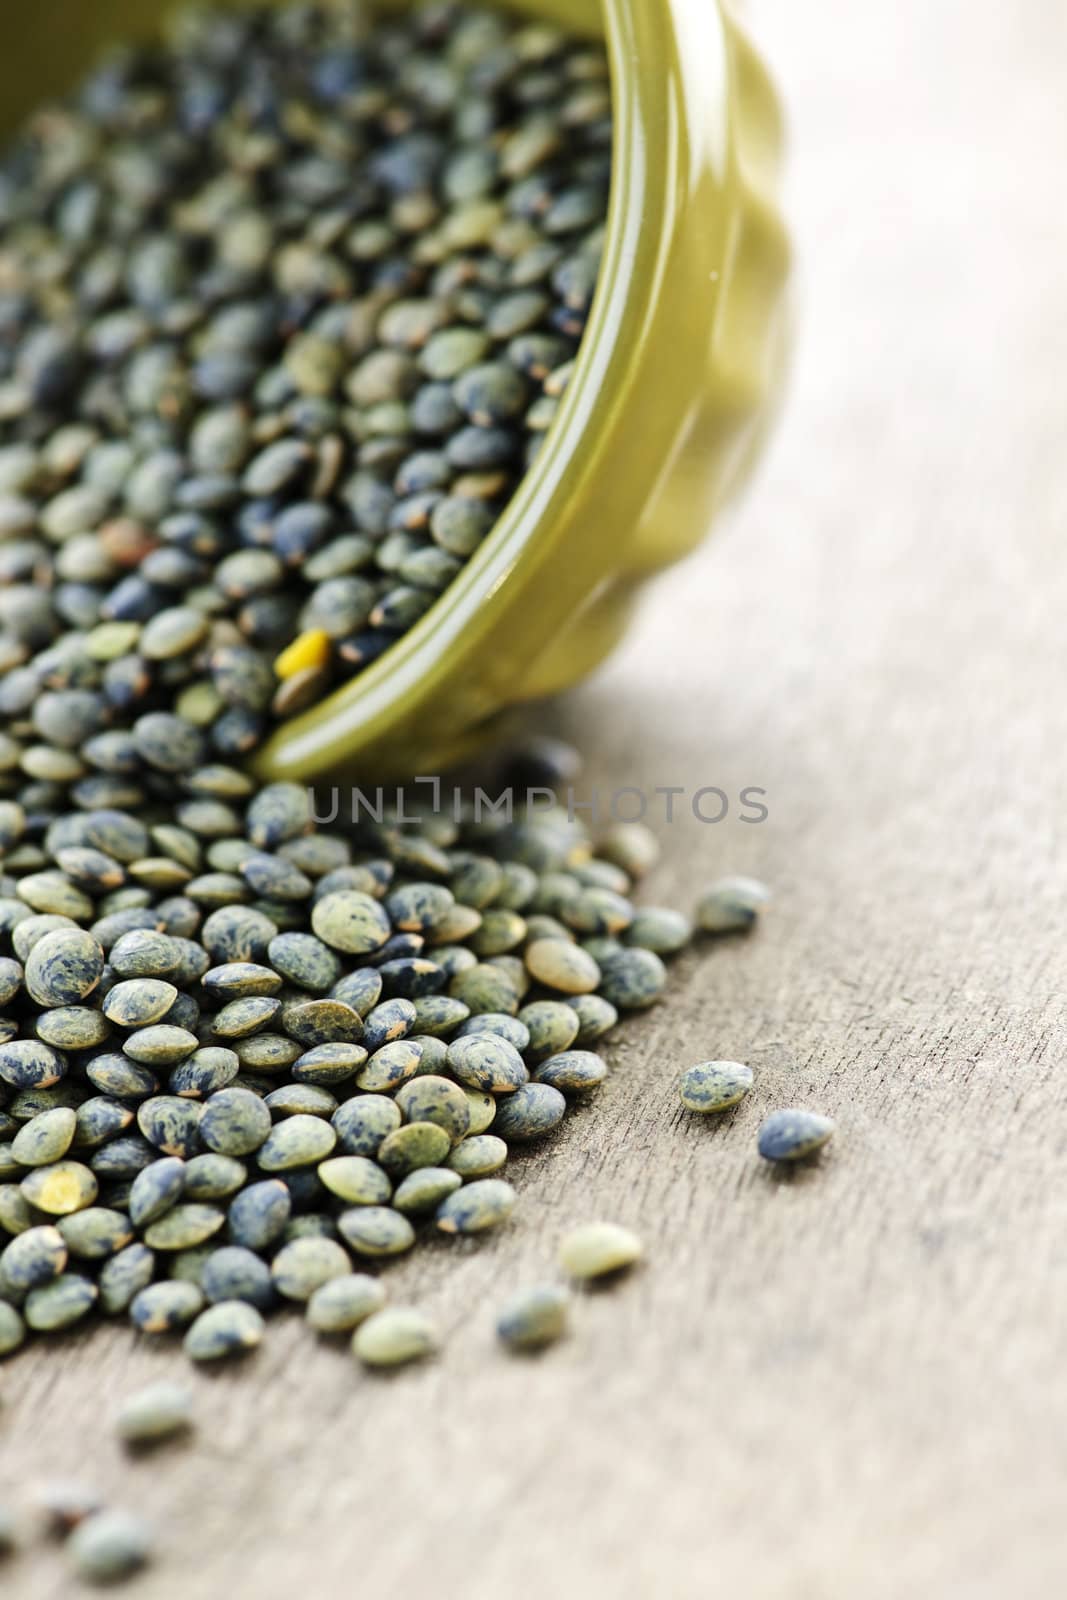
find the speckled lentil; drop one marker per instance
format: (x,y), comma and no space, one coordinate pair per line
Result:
(731,905)
(166,1307)
(534,1317)
(793,1135)
(532,1111)
(376,1231)
(476,1207)
(343,1303)
(712,1086)
(356,1180)
(573,1071)
(306,1264)
(230,1328)
(478,1155)
(60,1304)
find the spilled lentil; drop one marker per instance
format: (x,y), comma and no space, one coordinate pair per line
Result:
(266,1109)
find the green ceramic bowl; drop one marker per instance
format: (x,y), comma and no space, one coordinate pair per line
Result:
(677,376)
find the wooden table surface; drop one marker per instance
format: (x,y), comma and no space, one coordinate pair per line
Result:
(852,1381)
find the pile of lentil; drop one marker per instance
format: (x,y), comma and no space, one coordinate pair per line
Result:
(287,304)
(241,1055)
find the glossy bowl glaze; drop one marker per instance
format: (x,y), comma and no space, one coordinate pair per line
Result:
(676,380)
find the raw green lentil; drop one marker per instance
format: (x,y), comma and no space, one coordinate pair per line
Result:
(155,1190)
(351,922)
(598,912)
(123,1276)
(25,1063)
(534,1317)
(296,1099)
(632,979)
(596,1017)
(163,1044)
(714,1085)
(416,1144)
(660,929)
(572,1071)
(430,1098)
(240,979)
(242,1017)
(109,1546)
(561,965)
(393,1337)
(234,1272)
(487,1062)
(356,1180)
(482,1108)
(793,1135)
(59,1304)
(390,1066)
(551,1025)
(304,1265)
(532,1111)
(96,1233)
(34,1258)
(597,1248)
(360,989)
(513,1029)
(184,1226)
(258,1216)
(171,1124)
(72,1027)
(332,1062)
(154,1413)
(45,1138)
(478,1155)
(230,1328)
(440,1014)
(423,1190)
(135,1003)
(213,1177)
(476,1207)
(388,1022)
(343,1303)
(363,1122)
(234,1122)
(376,1231)
(297,1142)
(267,1052)
(62,1188)
(731,905)
(203,1072)
(15,1214)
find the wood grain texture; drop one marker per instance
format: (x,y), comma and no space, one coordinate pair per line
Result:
(851,1381)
